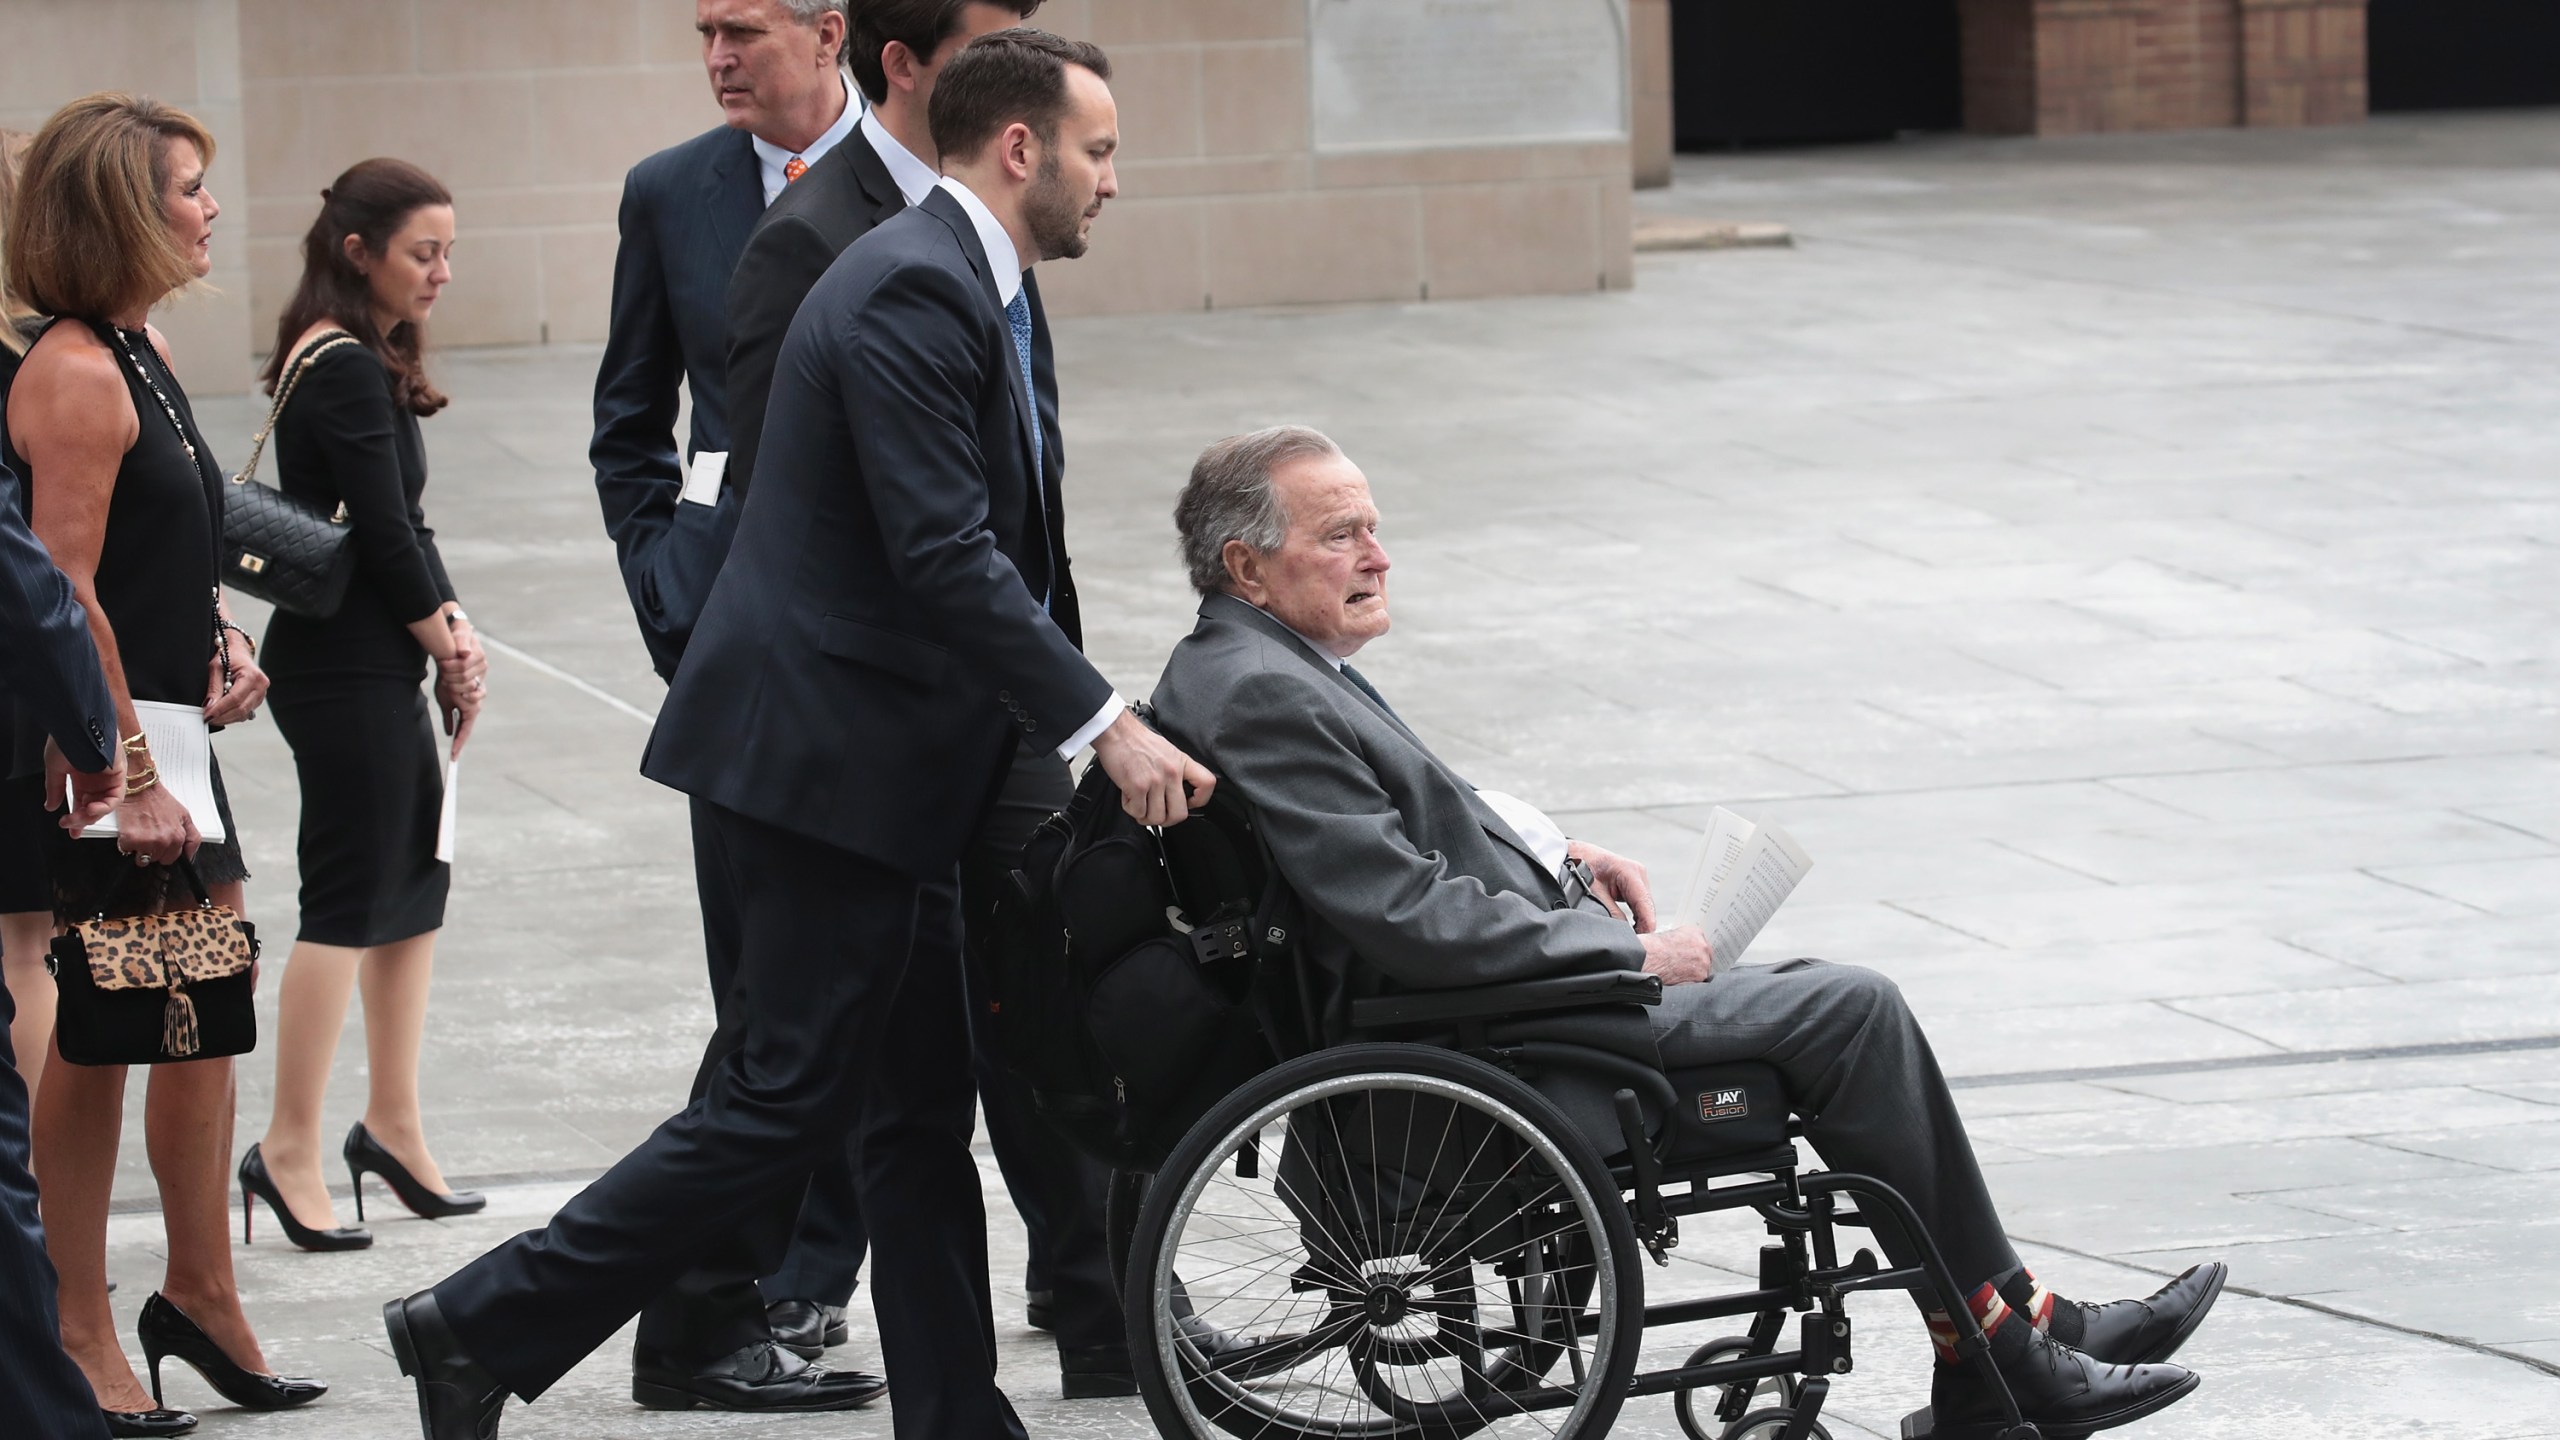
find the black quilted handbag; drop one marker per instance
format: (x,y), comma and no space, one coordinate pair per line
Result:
(287,552)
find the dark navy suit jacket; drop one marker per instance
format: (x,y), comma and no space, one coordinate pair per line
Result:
(863,672)
(47,661)
(49,665)
(686,215)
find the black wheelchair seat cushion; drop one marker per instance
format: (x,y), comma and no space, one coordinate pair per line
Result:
(1731,1109)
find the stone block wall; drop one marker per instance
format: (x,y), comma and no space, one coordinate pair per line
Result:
(2061,67)
(184,52)
(532,110)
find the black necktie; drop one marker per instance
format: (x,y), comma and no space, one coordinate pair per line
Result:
(1361,683)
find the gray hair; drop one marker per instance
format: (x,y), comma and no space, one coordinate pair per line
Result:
(808,11)
(1230,497)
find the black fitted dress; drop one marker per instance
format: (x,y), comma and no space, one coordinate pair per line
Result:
(155,581)
(346,689)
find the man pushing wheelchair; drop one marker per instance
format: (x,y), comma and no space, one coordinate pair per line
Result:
(1409,875)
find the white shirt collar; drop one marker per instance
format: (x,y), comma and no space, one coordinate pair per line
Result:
(1002,258)
(914,177)
(772,161)
(1327,656)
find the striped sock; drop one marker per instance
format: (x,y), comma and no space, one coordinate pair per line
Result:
(2051,1315)
(1989,1312)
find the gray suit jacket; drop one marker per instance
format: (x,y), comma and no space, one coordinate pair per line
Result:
(1409,879)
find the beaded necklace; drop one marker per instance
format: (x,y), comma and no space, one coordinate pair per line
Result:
(168,407)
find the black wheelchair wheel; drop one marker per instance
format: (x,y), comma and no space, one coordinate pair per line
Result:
(1772,1425)
(1735,1400)
(1384,1240)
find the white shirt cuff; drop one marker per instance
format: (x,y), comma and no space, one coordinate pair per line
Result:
(1100,722)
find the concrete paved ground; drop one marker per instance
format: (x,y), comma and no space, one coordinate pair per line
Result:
(2127,564)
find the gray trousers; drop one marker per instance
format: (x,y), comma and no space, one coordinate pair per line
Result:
(1860,1071)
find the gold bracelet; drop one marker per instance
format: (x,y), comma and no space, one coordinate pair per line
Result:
(146,781)
(136,741)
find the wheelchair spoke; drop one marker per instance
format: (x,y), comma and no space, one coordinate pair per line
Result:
(1384,1276)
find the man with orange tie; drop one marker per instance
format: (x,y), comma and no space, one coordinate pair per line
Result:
(775,68)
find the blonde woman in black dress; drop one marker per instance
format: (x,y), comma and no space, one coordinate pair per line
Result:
(347,697)
(112,217)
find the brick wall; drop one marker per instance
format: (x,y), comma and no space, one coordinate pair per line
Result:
(2061,67)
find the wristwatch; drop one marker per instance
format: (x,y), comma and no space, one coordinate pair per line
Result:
(455,617)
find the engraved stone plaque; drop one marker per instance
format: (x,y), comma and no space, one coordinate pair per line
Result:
(1408,74)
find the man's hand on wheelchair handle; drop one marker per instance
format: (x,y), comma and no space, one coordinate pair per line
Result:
(1680,957)
(1618,881)
(1153,775)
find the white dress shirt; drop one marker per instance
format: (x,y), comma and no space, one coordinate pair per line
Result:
(772,160)
(914,177)
(1006,263)
(1536,829)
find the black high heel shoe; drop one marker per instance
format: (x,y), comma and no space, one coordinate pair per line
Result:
(365,1153)
(148,1422)
(165,1330)
(254,1180)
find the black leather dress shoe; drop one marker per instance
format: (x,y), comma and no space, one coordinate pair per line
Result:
(2146,1332)
(762,1378)
(2066,1395)
(806,1328)
(1097,1372)
(457,1400)
(160,1421)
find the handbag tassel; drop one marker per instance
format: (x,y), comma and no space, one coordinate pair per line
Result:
(178,1037)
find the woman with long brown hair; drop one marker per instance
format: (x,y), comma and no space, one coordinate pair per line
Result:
(113,217)
(349,362)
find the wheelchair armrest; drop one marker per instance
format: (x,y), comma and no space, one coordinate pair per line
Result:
(1526,997)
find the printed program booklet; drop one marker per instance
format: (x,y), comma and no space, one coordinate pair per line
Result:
(182,751)
(1744,873)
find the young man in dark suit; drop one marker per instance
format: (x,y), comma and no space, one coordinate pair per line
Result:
(857,688)
(686,215)
(49,667)
(898,47)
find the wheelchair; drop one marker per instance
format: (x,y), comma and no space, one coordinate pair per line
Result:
(1402,1233)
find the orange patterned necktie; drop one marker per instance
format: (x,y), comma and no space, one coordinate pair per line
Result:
(793,169)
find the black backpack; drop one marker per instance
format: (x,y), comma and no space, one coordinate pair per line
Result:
(1131,970)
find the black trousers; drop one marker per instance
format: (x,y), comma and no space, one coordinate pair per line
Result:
(1055,1187)
(41,1391)
(1057,1191)
(853,1018)
(1856,1061)
(718,1306)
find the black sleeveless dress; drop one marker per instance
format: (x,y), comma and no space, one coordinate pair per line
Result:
(155,580)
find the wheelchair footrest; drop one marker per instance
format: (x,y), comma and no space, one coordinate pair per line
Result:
(1920,1424)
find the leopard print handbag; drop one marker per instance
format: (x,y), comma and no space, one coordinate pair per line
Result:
(155,989)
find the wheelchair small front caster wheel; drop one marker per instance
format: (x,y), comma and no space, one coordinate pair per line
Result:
(1777,1391)
(1769,1425)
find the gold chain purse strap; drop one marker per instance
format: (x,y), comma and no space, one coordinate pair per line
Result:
(293,376)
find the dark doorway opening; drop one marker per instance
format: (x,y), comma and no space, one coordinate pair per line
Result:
(2460,54)
(1763,72)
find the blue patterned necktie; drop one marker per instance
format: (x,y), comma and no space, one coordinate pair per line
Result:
(1019,312)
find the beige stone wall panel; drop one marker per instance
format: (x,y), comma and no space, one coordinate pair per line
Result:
(1253,99)
(1142,179)
(1146,257)
(577,281)
(59,50)
(1649,63)
(291,39)
(1538,238)
(1163,22)
(1315,248)
(471,132)
(474,37)
(1157,89)
(591,126)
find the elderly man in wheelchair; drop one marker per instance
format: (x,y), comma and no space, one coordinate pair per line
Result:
(1508,1083)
